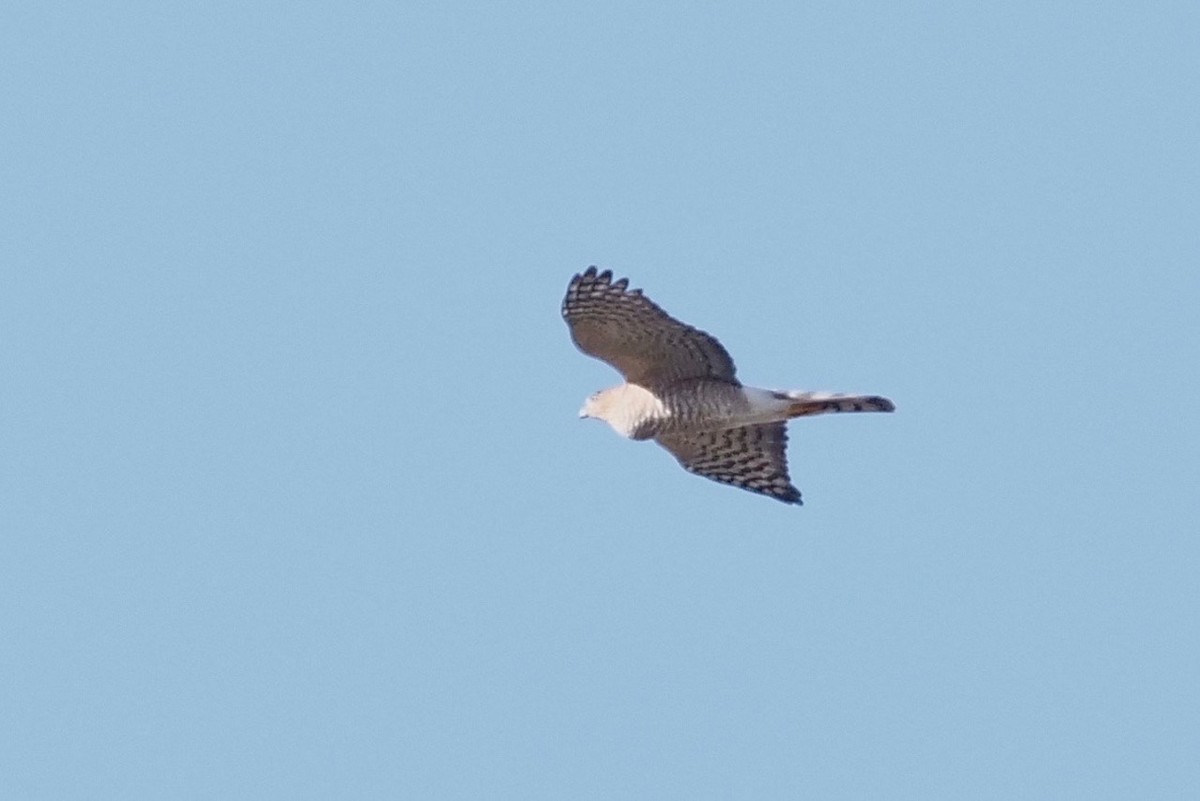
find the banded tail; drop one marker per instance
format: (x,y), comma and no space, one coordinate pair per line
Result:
(804,404)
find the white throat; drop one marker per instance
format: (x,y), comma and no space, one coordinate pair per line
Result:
(628,408)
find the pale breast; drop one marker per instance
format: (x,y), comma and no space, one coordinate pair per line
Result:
(636,412)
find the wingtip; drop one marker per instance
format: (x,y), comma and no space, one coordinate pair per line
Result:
(594,275)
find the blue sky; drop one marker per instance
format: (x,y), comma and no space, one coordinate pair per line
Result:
(294,499)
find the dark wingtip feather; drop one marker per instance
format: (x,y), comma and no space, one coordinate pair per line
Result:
(791,496)
(594,275)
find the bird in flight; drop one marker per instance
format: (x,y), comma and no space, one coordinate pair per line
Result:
(681,389)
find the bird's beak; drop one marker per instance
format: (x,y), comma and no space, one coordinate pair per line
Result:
(583,413)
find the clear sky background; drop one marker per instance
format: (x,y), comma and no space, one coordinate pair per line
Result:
(294,499)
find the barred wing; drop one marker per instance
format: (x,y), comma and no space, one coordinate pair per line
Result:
(623,327)
(753,458)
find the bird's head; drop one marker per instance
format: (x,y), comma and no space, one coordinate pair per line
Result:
(628,408)
(598,404)
(590,407)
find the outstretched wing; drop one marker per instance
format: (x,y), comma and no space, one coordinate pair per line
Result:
(751,457)
(624,328)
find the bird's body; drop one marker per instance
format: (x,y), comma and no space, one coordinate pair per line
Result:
(701,404)
(705,404)
(681,389)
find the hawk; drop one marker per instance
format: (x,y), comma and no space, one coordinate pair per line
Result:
(681,389)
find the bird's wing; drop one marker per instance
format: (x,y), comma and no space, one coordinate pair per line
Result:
(623,327)
(753,458)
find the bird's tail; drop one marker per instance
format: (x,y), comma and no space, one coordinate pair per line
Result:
(803,404)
